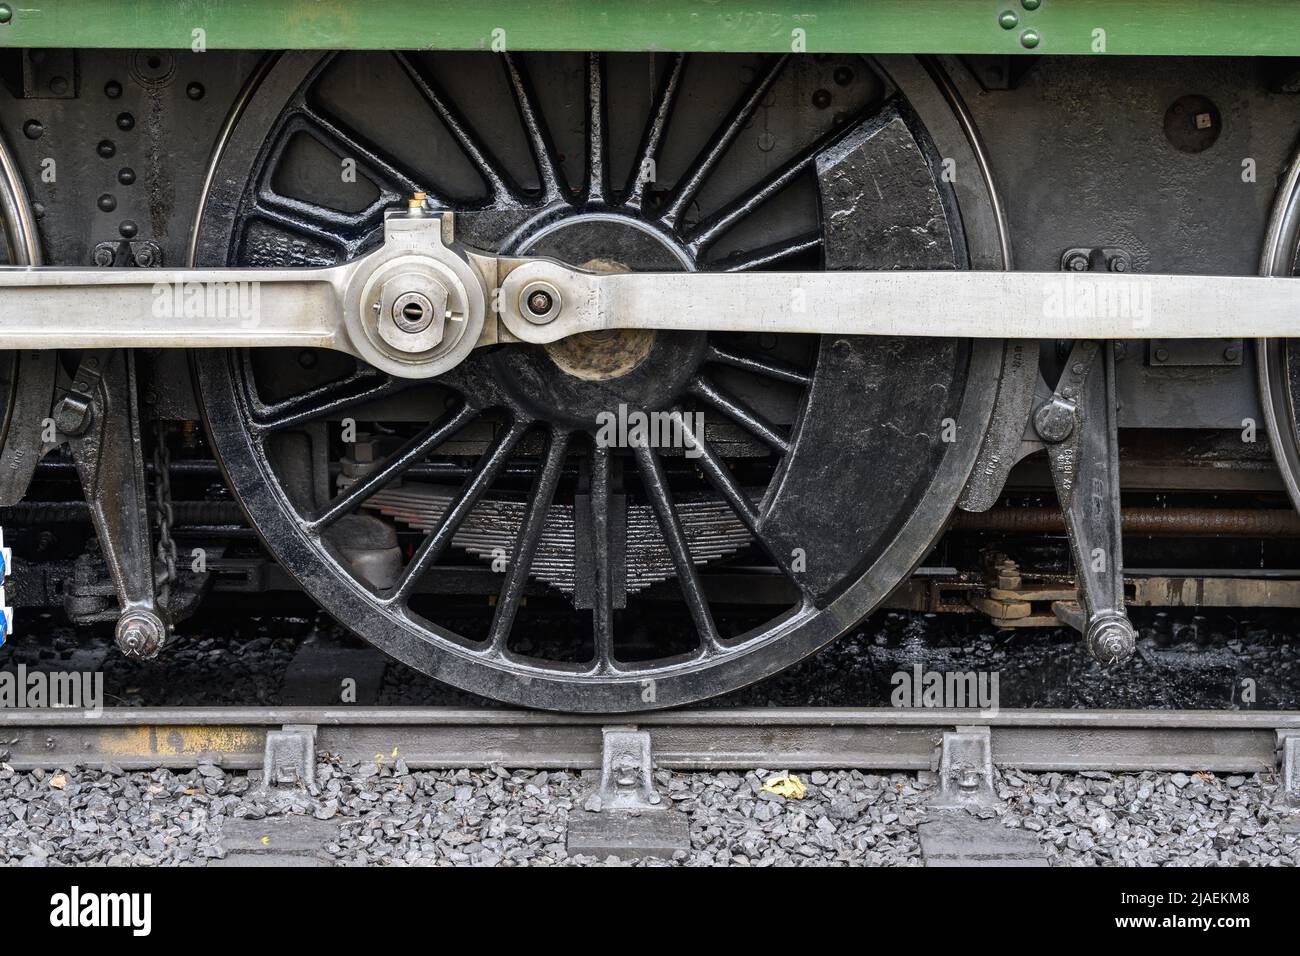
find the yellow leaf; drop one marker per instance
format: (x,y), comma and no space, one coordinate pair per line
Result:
(58,781)
(788,786)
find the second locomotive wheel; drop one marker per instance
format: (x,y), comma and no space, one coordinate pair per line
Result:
(623,521)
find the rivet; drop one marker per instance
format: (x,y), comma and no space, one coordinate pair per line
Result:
(1008,20)
(6,13)
(1031,4)
(1029,39)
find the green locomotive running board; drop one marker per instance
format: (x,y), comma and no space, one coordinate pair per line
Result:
(1111,27)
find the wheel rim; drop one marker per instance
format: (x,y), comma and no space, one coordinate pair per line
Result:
(26,378)
(543,418)
(1278,360)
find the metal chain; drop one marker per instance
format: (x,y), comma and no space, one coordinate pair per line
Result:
(165,516)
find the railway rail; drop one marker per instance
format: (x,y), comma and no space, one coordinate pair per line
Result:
(903,739)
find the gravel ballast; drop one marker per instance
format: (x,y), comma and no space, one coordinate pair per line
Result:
(387,815)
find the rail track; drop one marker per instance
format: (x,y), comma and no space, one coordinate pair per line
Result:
(846,738)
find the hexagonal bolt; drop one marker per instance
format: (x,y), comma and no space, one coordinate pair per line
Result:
(365,450)
(1077,262)
(1008,573)
(1111,639)
(140,634)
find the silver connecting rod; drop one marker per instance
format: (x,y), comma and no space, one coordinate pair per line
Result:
(1013,305)
(51,308)
(414,307)
(419,304)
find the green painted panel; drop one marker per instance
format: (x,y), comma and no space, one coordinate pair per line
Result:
(1114,27)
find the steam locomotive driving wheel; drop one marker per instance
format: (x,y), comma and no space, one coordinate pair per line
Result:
(623,520)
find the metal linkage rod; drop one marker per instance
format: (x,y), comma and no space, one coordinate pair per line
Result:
(968,304)
(419,304)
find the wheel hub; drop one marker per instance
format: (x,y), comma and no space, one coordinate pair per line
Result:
(600,356)
(604,369)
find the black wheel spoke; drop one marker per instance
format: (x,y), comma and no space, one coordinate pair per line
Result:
(740,413)
(549,173)
(712,154)
(770,255)
(656,488)
(648,153)
(312,222)
(433,546)
(602,604)
(383,170)
(393,467)
(759,366)
(493,176)
(362,386)
(597,132)
(719,475)
(708,232)
(530,533)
